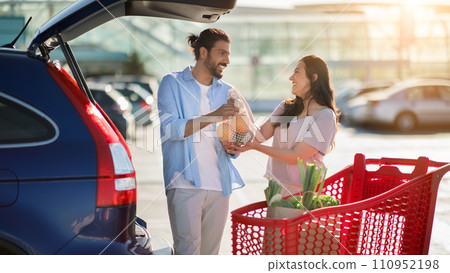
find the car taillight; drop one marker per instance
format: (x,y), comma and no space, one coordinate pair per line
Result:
(373,103)
(116,108)
(116,184)
(146,106)
(119,135)
(116,177)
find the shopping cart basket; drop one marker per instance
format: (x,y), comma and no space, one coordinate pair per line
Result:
(384,211)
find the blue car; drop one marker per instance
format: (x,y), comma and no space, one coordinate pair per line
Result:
(67,182)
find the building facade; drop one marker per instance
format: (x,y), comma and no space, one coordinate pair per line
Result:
(364,40)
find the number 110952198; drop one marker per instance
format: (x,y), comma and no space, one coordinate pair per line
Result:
(405,264)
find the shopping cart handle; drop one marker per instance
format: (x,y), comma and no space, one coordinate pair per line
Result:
(439,173)
(403,161)
(437,164)
(387,165)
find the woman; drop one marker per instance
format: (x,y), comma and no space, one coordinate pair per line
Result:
(303,127)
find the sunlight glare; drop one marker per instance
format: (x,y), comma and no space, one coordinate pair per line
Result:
(412,3)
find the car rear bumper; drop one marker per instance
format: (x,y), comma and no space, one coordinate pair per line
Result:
(115,231)
(358,114)
(157,244)
(365,114)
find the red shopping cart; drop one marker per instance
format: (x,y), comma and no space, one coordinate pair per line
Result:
(382,212)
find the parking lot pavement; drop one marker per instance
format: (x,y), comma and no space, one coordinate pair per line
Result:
(251,165)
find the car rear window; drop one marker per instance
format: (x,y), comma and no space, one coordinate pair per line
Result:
(423,93)
(22,124)
(445,92)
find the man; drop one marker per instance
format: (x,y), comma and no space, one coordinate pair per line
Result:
(198,173)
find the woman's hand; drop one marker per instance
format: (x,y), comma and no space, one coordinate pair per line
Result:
(234,149)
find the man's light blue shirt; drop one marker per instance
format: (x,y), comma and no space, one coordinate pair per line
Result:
(179,101)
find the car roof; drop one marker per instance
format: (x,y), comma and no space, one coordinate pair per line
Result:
(85,15)
(418,81)
(123,78)
(103,87)
(135,88)
(402,85)
(149,83)
(377,83)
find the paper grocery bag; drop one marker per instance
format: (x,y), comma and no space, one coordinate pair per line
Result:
(315,238)
(282,212)
(274,237)
(320,238)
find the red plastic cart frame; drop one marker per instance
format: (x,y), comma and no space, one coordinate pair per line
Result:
(382,212)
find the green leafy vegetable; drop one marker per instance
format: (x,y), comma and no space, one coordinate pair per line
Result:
(271,191)
(324,201)
(312,179)
(296,201)
(283,203)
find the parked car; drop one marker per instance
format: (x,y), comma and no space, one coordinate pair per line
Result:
(67,182)
(405,105)
(140,99)
(148,83)
(116,107)
(357,89)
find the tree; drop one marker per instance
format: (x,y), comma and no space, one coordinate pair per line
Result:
(134,65)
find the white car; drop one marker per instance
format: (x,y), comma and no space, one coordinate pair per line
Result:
(355,89)
(404,105)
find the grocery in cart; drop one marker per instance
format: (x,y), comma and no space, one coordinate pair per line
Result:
(385,211)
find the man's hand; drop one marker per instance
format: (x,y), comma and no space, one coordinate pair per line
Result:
(226,110)
(220,114)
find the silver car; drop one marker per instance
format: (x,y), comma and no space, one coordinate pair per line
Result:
(355,89)
(404,105)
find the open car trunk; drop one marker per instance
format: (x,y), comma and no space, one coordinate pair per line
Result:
(85,15)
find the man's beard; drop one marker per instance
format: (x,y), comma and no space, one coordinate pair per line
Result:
(214,69)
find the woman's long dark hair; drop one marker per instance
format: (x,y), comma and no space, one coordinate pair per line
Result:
(321,90)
